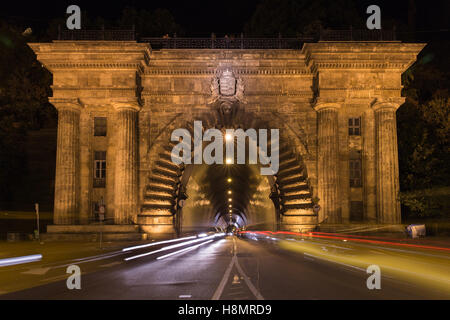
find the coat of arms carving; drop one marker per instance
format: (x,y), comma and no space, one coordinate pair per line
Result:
(227,87)
(227,94)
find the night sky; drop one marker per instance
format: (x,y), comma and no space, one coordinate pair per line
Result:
(200,18)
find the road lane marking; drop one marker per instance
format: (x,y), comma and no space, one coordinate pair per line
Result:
(248,282)
(110,264)
(57,278)
(37,271)
(185,296)
(226,276)
(341,263)
(224,280)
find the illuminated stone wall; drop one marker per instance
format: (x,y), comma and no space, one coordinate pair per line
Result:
(308,94)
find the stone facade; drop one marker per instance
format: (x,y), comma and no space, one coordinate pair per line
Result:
(334,103)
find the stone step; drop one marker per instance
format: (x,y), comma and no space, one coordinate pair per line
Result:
(155,204)
(288,163)
(168,164)
(155,219)
(145,210)
(300,201)
(299,212)
(296,196)
(162,179)
(151,194)
(158,200)
(298,206)
(298,177)
(160,187)
(294,192)
(286,155)
(165,172)
(297,169)
(293,187)
(167,154)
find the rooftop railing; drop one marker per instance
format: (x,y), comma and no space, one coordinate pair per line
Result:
(227,42)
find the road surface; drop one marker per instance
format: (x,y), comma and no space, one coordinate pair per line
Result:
(226,268)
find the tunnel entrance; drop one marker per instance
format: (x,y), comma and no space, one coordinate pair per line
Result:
(225,195)
(183,198)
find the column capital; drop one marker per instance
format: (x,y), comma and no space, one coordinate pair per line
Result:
(321,104)
(387,103)
(131,104)
(66,103)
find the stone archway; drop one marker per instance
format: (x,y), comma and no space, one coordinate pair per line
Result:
(291,191)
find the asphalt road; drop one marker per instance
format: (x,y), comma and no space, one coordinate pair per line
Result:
(227,268)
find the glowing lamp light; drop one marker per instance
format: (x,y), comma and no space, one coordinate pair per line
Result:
(228,137)
(229,199)
(229,191)
(229,161)
(230,206)
(229,179)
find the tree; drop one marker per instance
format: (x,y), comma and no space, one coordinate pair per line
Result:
(150,24)
(301,17)
(24,91)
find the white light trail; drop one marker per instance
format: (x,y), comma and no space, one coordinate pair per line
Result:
(156,243)
(173,246)
(18,260)
(183,250)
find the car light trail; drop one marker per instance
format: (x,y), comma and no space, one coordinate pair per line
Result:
(19,260)
(183,250)
(312,235)
(174,246)
(157,243)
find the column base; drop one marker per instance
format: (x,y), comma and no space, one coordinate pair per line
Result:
(92,233)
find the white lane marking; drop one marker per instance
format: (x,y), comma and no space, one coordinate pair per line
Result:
(57,278)
(184,296)
(111,264)
(37,271)
(341,263)
(223,282)
(307,258)
(248,282)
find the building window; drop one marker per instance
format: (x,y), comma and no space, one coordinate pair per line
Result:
(100,126)
(356,211)
(100,169)
(354,126)
(355,173)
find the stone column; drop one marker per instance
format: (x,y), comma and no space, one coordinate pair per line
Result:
(368,165)
(67,178)
(328,162)
(126,169)
(387,179)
